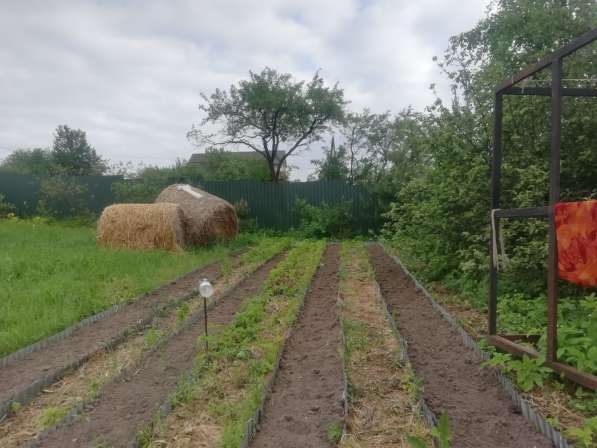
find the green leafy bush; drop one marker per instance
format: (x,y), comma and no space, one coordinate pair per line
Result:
(441,433)
(246,222)
(577,332)
(6,208)
(62,196)
(324,221)
(585,435)
(528,372)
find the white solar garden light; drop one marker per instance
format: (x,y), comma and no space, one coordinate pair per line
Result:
(206,290)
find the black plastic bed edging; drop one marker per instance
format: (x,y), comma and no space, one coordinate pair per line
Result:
(527,410)
(165,409)
(253,422)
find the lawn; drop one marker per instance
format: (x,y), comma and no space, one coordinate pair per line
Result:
(53,275)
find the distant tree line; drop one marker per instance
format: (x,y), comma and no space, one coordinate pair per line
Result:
(70,155)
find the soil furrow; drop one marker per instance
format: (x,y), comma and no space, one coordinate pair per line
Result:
(45,366)
(307,394)
(480,412)
(124,407)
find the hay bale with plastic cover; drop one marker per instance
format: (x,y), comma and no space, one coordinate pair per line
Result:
(141,226)
(208,218)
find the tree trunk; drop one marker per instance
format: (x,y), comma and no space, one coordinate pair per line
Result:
(275,174)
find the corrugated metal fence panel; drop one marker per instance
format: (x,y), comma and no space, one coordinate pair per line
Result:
(100,191)
(272,205)
(23,191)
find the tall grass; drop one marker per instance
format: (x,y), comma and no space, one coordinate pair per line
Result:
(53,275)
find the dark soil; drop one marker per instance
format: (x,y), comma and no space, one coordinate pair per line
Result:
(307,393)
(126,406)
(55,359)
(480,412)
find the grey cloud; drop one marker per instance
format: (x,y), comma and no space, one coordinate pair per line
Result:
(130,72)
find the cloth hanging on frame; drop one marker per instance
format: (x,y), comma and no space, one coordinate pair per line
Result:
(576,233)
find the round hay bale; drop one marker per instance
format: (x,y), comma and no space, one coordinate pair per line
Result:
(141,226)
(208,218)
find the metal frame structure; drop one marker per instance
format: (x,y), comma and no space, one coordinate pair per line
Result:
(556,92)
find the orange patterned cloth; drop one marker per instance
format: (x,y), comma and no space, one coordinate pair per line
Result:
(576,230)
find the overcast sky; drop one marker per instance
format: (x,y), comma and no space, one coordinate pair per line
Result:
(130,73)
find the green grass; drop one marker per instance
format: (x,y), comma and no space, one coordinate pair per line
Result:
(53,415)
(334,432)
(53,275)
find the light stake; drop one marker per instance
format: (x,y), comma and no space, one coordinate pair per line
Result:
(206,290)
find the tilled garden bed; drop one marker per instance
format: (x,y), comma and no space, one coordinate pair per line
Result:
(25,375)
(125,406)
(307,394)
(383,405)
(480,412)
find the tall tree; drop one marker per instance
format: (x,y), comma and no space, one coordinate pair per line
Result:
(333,165)
(73,155)
(220,165)
(268,113)
(355,131)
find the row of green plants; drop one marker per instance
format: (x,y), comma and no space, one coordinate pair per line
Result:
(231,378)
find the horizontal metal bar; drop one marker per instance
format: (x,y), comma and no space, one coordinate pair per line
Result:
(511,347)
(583,378)
(530,212)
(546,91)
(571,47)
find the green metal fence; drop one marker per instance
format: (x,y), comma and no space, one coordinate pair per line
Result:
(274,205)
(271,205)
(25,192)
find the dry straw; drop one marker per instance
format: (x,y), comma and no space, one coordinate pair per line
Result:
(141,226)
(208,218)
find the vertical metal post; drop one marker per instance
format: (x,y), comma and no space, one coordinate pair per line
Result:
(496,169)
(205,322)
(554,196)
